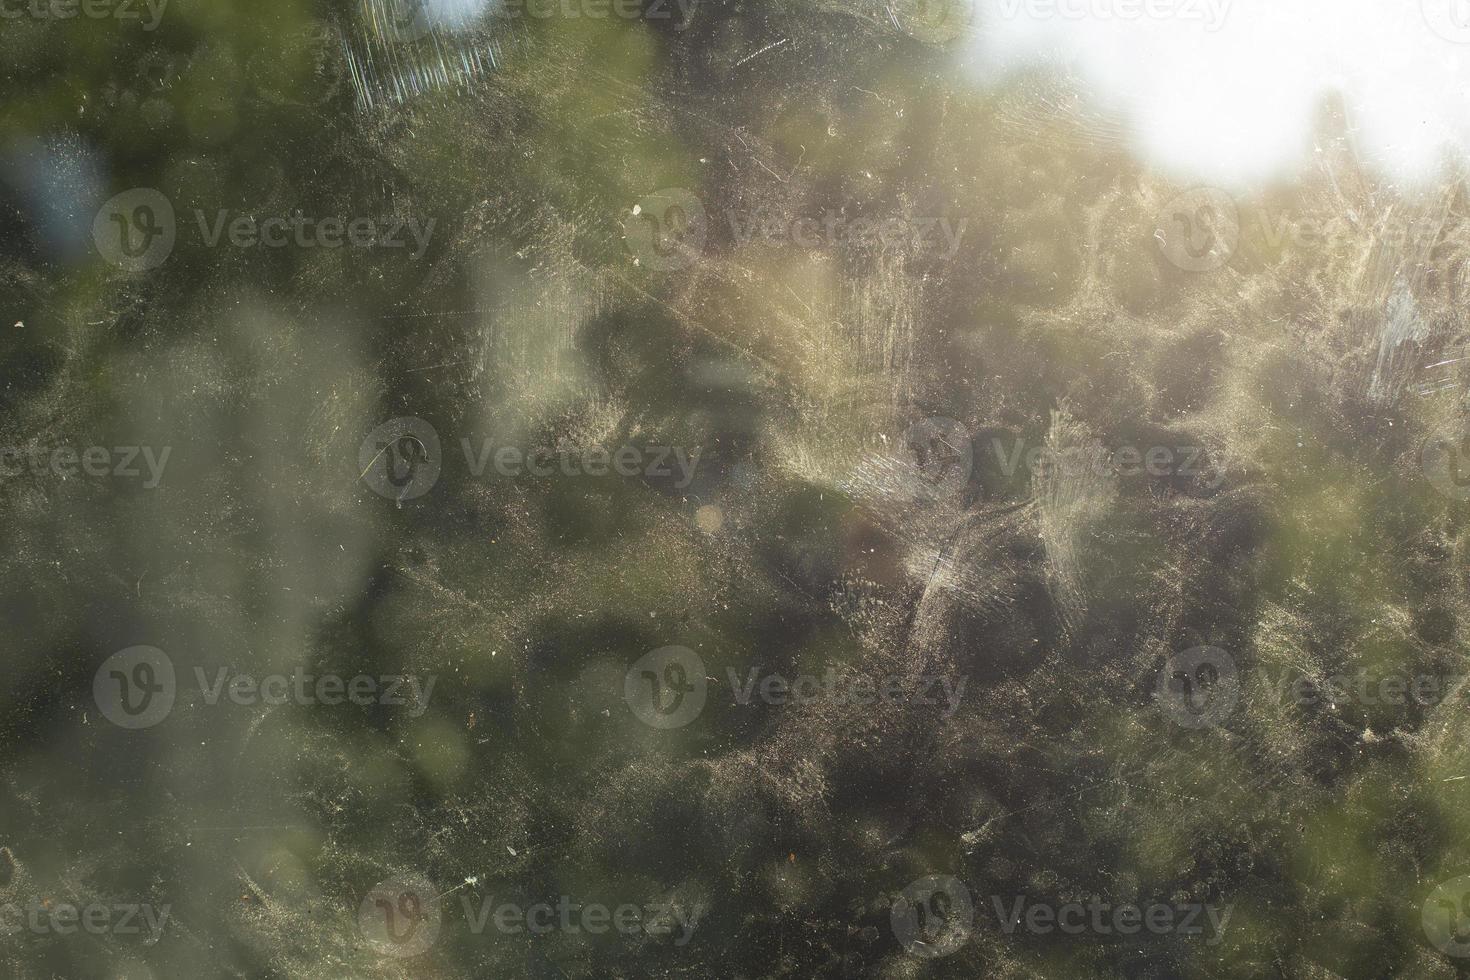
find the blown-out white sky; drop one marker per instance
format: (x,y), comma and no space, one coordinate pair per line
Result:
(1226,90)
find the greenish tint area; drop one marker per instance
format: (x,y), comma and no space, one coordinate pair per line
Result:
(1306,536)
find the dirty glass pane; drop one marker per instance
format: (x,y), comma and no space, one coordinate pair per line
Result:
(714,488)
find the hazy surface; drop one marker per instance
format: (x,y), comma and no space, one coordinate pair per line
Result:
(852,482)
